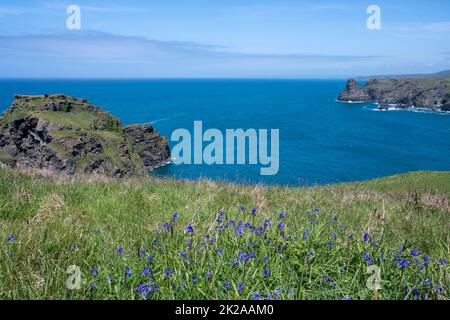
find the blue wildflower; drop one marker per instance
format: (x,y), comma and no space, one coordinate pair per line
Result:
(94,285)
(10,238)
(426,260)
(253,212)
(368,258)
(175,216)
(347,298)
(366,237)
(330,243)
(306,234)
(260,231)
(190,228)
(150,259)
(110,279)
(145,271)
(402,263)
(94,272)
(266,259)
(281,226)
(442,262)
(350,237)
(168,272)
(240,287)
(194,278)
(441,288)
(128,272)
(183,255)
(282,214)
(334,218)
(226,285)
(120,250)
(220,251)
(267,224)
(266,272)
(414,252)
(256,295)
(334,235)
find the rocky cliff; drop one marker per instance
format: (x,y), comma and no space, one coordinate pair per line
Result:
(69,135)
(433,93)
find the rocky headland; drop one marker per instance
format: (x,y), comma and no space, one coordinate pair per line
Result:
(69,135)
(432,93)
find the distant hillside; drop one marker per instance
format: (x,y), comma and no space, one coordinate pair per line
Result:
(445,73)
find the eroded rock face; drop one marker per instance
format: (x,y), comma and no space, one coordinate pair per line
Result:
(353,92)
(69,135)
(433,93)
(151,147)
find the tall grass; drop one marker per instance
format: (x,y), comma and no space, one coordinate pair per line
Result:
(226,241)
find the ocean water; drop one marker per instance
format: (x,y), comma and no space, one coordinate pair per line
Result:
(321,140)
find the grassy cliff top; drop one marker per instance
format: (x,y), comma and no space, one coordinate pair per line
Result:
(298,243)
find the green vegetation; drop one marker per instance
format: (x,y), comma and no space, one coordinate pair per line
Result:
(306,243)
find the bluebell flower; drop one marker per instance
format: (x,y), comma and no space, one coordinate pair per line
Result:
(220,251)
(278,291)
(183,255)
(190,228)
(260,231)
(426,260)
(334,218)
(256,295)
(266,272)
(266,259)
(253,212)
(150,259)
(94,285)
(240,287)
(306,233)
(442,262)
(366,237)
(120,250)
(94,272)
(168,272)
(327,279)
(250,256)
(145,271)
(428,283)
(334,235)
(350,237)
(368,258)
(402,263)
(441,288)
(128,272)
(281,226)
(267,224)
(340,227)
(141,252)
(175,216)
(282,214)
(226,285)
(414,252)
(416,293)
(166,226)
(347,298)
(194,278)
(10,238)
(110,279)
(242,208)
(317,210)
(330,243)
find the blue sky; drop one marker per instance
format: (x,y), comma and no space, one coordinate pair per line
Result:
(222,38)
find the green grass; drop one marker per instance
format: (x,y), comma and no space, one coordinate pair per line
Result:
(61,222)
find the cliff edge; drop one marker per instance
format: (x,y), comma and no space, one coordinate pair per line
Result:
(69,135)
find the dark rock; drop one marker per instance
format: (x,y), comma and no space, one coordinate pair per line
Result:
(433,93)
(353,92)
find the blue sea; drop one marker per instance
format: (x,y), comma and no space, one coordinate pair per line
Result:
(321,140)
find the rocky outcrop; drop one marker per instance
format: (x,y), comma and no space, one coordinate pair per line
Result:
(433,93)
(69,135)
